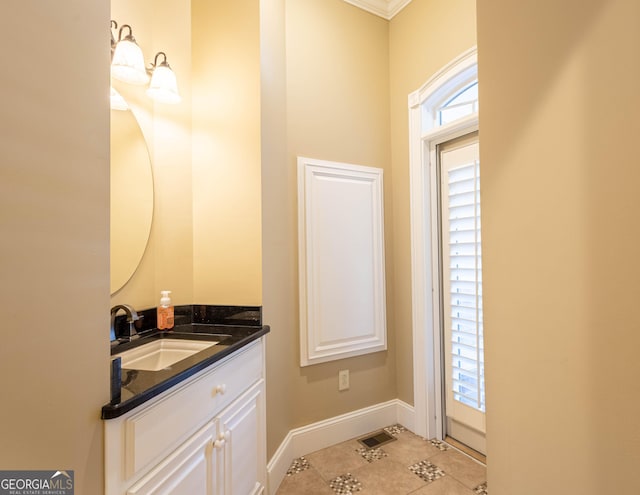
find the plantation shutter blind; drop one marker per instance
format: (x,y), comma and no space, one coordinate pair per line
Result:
(463,258)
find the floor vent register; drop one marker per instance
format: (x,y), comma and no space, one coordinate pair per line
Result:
(376,439)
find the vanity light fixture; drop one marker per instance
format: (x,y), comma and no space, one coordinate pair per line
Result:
(163,86)
(127,63)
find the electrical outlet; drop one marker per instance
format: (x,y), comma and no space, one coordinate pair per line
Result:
(343,380)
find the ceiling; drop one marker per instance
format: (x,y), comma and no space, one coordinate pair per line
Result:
(384,8)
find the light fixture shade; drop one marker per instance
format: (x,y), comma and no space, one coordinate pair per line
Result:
(163,86)
(117,101)
(128,63)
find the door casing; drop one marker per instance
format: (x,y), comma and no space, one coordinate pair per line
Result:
(427,360)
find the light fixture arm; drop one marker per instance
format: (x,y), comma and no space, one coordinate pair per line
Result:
(154,64)
(114,25)
(128,37)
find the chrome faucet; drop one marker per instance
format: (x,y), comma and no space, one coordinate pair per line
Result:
(132,317)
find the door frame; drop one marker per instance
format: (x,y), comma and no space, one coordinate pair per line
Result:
(427,342)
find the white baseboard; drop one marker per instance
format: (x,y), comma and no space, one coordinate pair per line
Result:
(406,415)
(322,434)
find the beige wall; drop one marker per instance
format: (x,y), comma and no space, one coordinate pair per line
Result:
(205,239)
(334,85)
(226,152)
(55,238)
(559,96)
(279,280)
(423,38)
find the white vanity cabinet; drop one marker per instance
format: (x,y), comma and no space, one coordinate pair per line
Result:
(204,436)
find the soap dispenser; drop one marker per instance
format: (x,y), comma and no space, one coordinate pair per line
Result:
(165,311)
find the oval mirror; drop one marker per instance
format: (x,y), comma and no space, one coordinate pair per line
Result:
(131,197)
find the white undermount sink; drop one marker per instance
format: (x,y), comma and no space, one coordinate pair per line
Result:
(160,354)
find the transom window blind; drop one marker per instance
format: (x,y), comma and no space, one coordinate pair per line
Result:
(464,272)
(463,103)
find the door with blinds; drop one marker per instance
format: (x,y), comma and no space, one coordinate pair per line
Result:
(461,290)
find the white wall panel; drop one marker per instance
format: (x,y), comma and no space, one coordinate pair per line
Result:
(341,259)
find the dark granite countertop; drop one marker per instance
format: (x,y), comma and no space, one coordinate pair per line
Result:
(139,386)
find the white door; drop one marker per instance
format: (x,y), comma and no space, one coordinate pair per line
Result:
(461,290)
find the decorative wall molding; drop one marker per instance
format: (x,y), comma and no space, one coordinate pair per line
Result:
(341,260)
(383,8)
(316,436)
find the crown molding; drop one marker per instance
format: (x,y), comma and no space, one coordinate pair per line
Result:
(383,8)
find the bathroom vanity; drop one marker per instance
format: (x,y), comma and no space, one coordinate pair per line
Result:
(194,427)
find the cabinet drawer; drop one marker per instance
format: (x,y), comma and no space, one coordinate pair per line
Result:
(158,428)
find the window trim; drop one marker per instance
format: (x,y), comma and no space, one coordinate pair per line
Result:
(424,136)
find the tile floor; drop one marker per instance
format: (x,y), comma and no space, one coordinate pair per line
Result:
(407,465)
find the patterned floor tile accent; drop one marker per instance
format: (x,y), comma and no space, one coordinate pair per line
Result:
(298,465)
(345,484)
(394,429)
(439,444)
(427,471)
(371,455)
(481,489)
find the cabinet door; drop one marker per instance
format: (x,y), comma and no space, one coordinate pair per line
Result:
(189,470)
(244,455)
